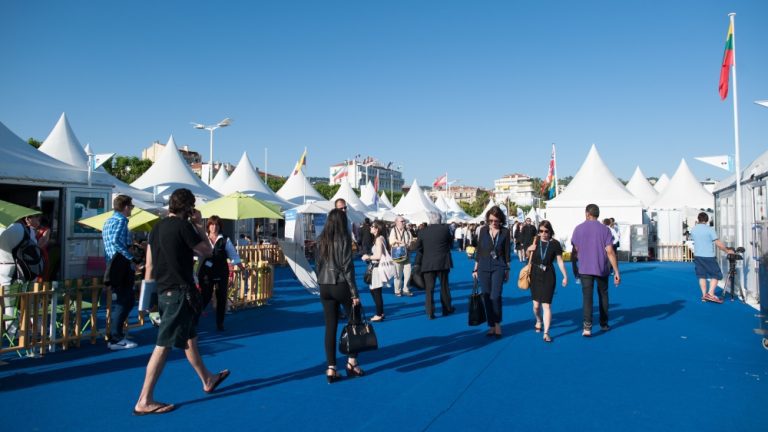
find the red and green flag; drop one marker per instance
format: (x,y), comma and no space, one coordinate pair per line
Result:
(727,63)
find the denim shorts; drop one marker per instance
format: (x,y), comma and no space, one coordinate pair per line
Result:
(177,321)
(707,268)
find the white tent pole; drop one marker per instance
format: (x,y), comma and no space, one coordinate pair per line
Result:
(737,158)
(265,166)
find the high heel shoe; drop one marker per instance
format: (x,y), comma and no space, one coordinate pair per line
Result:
(354,370)
(334,376)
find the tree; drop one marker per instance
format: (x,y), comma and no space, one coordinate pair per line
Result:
(127,168)
(275,183)
(34,143)
(478,205)
(326,190)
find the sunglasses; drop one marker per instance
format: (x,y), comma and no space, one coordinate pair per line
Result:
(493,220)
(543,231)
(343,208)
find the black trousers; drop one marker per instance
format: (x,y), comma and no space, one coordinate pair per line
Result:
(445,292)
(587,291)
(332,296)
(121,278)
(219,286)
(378,300)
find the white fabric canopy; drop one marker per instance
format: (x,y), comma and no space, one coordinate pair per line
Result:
(23,164)
(298,190)
(345,191)
(594,183)
(384,201)
(442,204)
(221,178)
(641,188)
(415,206)
(368,195)
(170,172)
(246,180)
(661,183)
(684,191)
(481,217)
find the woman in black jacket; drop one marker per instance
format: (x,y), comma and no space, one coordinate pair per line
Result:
(492,266)
(336,276)
(213,273)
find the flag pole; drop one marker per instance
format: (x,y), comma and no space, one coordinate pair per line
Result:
(554,158)
(265,167)
(737,157)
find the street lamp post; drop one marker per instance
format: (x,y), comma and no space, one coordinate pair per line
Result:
(224,123)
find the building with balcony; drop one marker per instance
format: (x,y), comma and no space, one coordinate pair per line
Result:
(357,173)
(517,188)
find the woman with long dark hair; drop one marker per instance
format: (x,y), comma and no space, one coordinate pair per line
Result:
(545,251)
(492,265)
(213,273)
(336,276)
(379,248)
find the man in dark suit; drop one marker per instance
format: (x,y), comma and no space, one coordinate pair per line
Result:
(434,245)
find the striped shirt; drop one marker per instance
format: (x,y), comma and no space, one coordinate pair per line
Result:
(116,236)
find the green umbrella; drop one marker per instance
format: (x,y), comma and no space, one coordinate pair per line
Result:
(140,220)
(10,213)
(238,206)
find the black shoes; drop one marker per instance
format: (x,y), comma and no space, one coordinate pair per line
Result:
(354,370)
(449,311)
(334,376)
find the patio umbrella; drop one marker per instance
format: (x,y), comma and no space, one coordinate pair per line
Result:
(238,206)
(140,220)
(10,213)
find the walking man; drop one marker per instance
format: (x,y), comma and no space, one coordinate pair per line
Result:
(593,241)
(704,242)
(434,243)
(121,270)
(172,243)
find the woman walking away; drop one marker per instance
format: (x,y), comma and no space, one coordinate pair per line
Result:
(377,251)
(336,276)
(492,266)
(545,251)
(214,271)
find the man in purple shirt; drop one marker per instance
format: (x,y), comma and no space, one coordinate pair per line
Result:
(594,243)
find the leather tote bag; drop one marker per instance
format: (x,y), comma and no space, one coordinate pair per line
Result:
(476,307)
(358,335)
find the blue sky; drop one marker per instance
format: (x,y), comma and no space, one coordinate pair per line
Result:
(475,88)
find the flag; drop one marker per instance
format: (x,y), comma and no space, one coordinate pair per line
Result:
(376,189)
(302,162)
(341,173)
(441,181)
(549,185)
(727,63)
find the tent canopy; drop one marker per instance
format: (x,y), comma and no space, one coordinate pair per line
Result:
(641,188)
(298,190)
(415,206)
(684,191)
(245,179)
(345,192)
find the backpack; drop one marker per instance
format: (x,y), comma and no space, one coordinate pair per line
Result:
(28,258)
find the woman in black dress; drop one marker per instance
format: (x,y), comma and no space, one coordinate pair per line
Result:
(544,252)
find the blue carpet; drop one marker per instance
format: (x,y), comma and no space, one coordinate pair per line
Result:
(669,362)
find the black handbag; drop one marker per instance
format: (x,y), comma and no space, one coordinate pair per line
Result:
(358,335)
(194,299)
(368,275)
(476,307)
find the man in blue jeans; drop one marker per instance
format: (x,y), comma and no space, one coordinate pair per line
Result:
(593,242)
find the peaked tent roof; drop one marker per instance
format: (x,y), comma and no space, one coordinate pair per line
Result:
(23,163)
(454,206)
(62,144)
(384,201)
(491,203)
(345,191)
(594,183)
(171,172)
(298,190)
(640,187)
(415,206)
(442,204)
(368,195)
(218,181)
(684,190)
(661,183)
(245,179)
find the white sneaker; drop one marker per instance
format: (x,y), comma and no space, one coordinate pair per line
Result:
(122,345)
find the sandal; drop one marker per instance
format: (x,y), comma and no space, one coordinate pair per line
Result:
(537,327)
(333,376)
(377,318)
(220,377)
(547,338)
(354,370)
(160,408)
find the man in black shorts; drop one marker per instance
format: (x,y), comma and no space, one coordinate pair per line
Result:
(172,243)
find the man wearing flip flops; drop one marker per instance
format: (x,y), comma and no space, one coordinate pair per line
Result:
(704,242)
(172,243)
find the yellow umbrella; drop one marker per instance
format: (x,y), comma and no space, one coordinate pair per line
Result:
(140,220)
(10,213)
(238,206)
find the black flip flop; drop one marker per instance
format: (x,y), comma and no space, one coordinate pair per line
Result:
(220,377)
(161,408)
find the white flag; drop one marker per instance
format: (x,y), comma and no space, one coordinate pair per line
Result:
(723,161)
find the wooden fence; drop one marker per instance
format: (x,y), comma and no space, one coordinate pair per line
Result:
(674,252)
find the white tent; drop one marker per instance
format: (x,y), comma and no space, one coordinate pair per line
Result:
(442,204)
(481,217)
(640,187)
(455,211)
(345,191)
(368,195)
(219,180)
(684,190)
(415,206)
(533,215)
(298,190)
(171,172)
(594,183)
(384,201)
(24,164)
(661,183)
(245,179)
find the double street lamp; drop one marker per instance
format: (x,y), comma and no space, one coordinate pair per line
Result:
(224,123)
